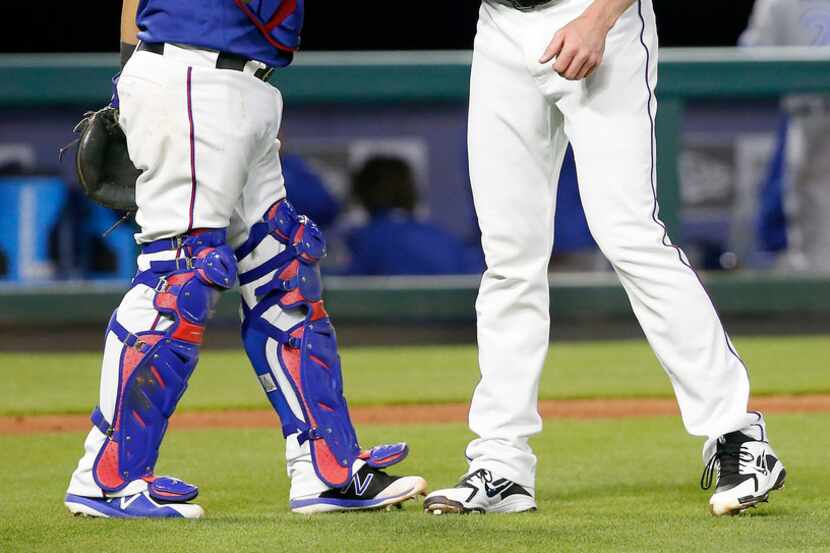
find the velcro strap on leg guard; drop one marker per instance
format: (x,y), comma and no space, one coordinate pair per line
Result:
(155,366)
(213,266)
(280,221)
(203,251)
(125,336)
(101,423)
(167,489)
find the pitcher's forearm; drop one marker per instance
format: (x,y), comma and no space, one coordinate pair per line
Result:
(607,11)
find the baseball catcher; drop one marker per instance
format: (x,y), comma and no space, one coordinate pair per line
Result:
(189,143)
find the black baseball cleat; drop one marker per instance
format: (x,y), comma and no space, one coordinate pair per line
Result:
(747,470)
(369,489)
(481,492)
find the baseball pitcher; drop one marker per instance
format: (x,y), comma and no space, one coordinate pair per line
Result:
(195,114)
(546,73)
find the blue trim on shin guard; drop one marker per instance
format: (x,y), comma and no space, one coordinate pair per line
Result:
(256,343)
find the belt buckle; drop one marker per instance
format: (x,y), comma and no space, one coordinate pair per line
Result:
(526,6)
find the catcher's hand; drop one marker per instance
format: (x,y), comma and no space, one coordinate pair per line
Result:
(104,169)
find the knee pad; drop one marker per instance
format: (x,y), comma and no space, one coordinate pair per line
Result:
(155,366)
(307,352)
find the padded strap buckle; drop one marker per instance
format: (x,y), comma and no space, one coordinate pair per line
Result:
(125,336)
(309,434)
(179,264)
(161,286)
(99,420)
(254,319)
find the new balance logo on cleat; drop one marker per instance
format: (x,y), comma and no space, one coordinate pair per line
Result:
(369,488)
(481,492)
(360,484)
(747,470)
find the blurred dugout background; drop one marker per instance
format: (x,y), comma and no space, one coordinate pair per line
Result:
(374,150)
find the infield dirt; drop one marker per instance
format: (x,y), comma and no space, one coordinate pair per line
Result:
(424,414)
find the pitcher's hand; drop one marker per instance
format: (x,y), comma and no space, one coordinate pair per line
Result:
(578,47)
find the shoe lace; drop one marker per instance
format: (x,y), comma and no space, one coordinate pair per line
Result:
(726,458)
(481,474)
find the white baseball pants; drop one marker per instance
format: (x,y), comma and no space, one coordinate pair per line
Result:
(522,116)
(206,140)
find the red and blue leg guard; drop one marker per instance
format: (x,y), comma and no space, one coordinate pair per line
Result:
(155,366)
(307,352)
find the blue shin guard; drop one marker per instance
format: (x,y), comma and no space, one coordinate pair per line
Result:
(155,366)
(306,354)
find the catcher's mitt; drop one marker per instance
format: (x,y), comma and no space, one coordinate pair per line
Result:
(104,169)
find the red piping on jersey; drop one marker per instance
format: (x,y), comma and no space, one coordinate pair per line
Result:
(265,28)
(282,14)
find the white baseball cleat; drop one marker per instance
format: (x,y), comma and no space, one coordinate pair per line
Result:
(481,492)
(747,469)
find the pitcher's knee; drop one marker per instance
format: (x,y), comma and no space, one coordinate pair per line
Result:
(627,250)
(517,262)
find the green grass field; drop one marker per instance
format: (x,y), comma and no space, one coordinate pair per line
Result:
(68,382)
(627,485)
(603,485)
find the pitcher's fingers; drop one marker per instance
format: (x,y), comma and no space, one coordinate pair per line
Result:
(576,68)
(586,69)
(554,48)
(564,60)
(591,65)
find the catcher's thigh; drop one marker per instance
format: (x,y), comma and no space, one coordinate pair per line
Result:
(195,147)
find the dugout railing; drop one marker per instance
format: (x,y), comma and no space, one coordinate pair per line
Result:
(28,81)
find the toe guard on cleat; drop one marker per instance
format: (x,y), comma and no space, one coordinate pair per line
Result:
(385,455)
(172,490)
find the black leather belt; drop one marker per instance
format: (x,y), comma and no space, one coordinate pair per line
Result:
(527,5)
(225,60)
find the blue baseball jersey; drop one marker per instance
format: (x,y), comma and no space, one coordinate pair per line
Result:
(262,30)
